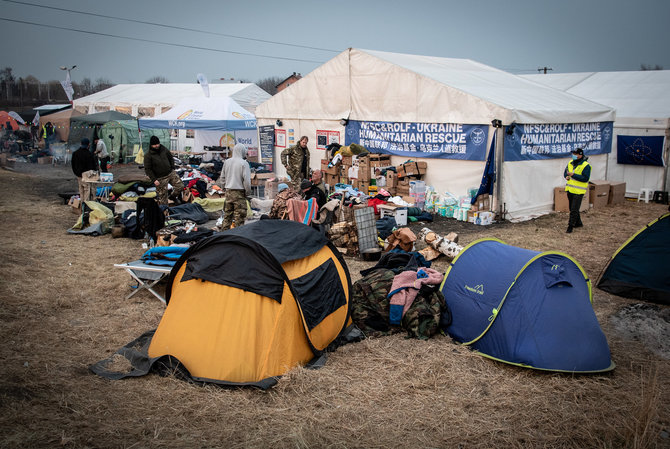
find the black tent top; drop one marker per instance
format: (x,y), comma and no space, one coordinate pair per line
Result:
(250,257)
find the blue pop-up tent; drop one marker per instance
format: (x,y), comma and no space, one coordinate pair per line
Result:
(524,307)
(203,113)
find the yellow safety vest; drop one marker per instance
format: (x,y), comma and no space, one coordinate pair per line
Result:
(574,186)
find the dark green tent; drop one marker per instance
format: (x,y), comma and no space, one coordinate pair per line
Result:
(640,269)
(85,125)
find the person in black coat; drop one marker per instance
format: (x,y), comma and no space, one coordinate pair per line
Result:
(83,162)
(309,190)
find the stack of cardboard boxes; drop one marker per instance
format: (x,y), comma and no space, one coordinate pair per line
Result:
(601,193)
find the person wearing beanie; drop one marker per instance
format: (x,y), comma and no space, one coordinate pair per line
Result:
(83,162)
(295,160)
(236,180)
(309,191)
(279,209)
(159,167)
(577,174)
(281,187)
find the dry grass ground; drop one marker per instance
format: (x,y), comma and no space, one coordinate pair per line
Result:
(63,308)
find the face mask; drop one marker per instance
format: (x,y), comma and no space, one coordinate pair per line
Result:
(574,157)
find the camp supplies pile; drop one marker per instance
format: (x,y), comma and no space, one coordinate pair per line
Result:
(640,269)
(525,308)
(245,306)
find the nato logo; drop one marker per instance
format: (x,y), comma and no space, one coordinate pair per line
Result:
(607,133)
(477,136)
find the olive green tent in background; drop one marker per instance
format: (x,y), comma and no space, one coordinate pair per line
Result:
(126,142)
(123,127)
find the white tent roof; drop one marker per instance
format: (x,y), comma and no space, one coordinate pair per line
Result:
(375,85)
(219,114)
(248,95)
(640,94)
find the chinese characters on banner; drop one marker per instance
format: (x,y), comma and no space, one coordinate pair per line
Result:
(547,141)
(436,140)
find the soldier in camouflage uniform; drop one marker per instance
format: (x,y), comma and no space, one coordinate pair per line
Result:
(236,179)
(370,308)
(279,209)
(296,161)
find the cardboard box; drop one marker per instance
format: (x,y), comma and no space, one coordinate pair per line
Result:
(45,160)
(326,170)
(412,168)
(379,160)
(483,202)
(391,179)
(75,205)
(258,179)
(617,193)
(271,189)
(599,192)
(561,201)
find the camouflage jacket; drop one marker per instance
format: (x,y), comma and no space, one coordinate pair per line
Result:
(370,308)
(279,209)
(292,159)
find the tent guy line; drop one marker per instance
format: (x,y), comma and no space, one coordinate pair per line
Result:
(174,27)
(194,47)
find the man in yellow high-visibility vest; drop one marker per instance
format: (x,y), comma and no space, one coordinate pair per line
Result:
(577,175)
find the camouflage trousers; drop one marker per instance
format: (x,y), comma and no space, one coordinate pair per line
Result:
(370,308)
(235,209)
(162,187)
(296,178)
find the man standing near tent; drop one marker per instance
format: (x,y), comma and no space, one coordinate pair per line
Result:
(236,179)
(101,153)
(159,167)
(577,173)
(83,161)
(295,160)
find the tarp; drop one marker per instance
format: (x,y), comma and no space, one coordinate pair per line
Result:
(380,87)
(642,102)
(201,113)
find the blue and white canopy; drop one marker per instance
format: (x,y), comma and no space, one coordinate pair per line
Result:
(222,114)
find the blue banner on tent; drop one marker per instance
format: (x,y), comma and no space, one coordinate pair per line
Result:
(436,140)
(640,150)
(549,141)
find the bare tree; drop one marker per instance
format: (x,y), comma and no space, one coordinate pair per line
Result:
(86,87)
(269,84)
(102,84)
(651,67)
(158,79)
(6,74)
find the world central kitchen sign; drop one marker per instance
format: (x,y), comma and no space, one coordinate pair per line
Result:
(436,140)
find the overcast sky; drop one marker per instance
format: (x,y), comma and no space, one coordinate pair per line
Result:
(518,36)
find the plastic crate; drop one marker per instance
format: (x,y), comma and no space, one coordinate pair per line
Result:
(366,224)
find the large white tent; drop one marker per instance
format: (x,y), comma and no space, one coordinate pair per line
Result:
(642,103)
(148,100)
(366,86)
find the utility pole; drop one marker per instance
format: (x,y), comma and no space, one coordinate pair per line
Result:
(544,69)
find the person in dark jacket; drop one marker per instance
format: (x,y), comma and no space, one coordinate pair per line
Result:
(309,190)
(159,167)
(84,163)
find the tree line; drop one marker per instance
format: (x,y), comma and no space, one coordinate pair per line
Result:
(29,92)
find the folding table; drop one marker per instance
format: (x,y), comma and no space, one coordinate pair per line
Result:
(146,275)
